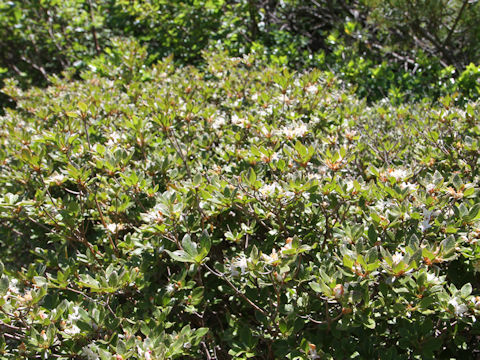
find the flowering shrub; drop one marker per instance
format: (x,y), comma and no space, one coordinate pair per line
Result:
(239,211)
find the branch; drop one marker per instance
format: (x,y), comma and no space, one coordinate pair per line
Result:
(464,5)
(238,292)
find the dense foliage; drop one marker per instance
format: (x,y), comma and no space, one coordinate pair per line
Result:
(239,211)
(397,48)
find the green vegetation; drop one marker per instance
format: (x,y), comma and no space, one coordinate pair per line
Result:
(236,179)
(396,48)
(146,208)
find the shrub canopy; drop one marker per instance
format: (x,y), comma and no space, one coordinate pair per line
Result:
(237,211)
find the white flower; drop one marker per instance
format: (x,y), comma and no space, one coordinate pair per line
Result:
(56,179)
(269,190)
(312,89)
(292,132)
(397,258)
(449,213)
(233,271)
(114,139)
(75,315)
(170,288)
(476,266)
(458,308)
(236,120)
(398,174)
(241,263)
(72,330)
(13,286)
(112,228)
(408,186)
(425,225)
(148,354)
(272,258)
(382,204)
(90,354)
(432,279)
(476,302)
(312,352)
(154,215)
(338,291)
(430,187)
(219,122)
(238,263)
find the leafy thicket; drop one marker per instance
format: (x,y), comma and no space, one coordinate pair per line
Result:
(238,211)
(397,48)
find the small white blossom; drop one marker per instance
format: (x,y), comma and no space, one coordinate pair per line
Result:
(238,263)
(272,258)
(292,132)
(476,266)
(476,302)
(219,122)
(432,279)
(154,215)
(170,288)
(90,354)
(398,174)
(56,179)
(269,189)
(397,258)
(312,89)
(112,228)
(236,120)
(13,286)
(72,330)
(409,186)
(458,307)
(75,315)
(425,225)
(233,270)
(430,187)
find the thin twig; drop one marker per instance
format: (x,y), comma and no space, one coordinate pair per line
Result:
(242,295)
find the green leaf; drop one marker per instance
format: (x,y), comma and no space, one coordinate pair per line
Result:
(282,325)
(457,182)
(448,245)
(473,212)
(83,107)
(301,149)
(188,246)
(348,261)
(181,255)
(315,287)
(4,283)
(466,290)
(71,114)
(121,348)
(205,241)
(252,177)
(372,234)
